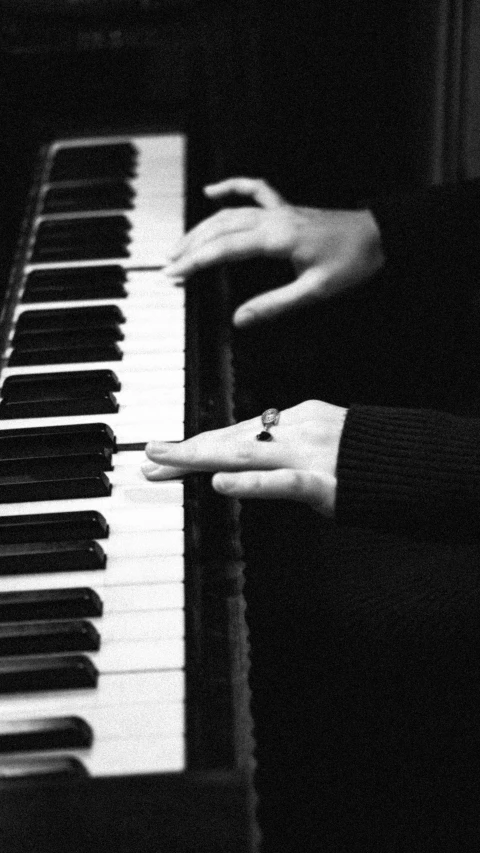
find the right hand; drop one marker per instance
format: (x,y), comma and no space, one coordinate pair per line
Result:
(331,250)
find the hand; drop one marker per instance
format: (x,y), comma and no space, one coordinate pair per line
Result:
(298,464)
(331,250)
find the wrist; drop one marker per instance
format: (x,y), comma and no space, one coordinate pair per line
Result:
(371,238)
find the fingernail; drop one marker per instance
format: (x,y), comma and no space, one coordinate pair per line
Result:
(223,483)
(149,468)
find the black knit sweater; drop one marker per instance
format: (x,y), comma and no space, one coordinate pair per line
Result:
(401,470)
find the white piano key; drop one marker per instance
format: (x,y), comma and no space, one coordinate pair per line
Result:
(140,396)
(130,362)
(125,263)
(138,382)
(157,297)
(137,309)
(165,516)
(152,720)
(128,473)
(147,598)
(122,757)
(139,655)
(145,625)
(167,207)
(138,284)
(152,343)
(143,570)
(139,500)
(113,690)
(132,425)
(150,146)
(122,546)
(168,340)
(155,597)
(155,254)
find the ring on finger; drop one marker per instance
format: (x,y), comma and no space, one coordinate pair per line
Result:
(270,417)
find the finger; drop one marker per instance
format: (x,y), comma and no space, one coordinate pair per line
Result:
(254,188)
(222,222)
(304,291)
(156,473)
(304,486)
(227,247)
(220,450)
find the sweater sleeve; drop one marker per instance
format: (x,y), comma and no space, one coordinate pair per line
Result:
(422,227)
(406,470)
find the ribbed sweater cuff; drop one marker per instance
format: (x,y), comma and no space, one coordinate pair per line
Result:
(402,469)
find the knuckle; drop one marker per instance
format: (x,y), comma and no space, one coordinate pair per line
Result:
(277,231)
(260,183)
(222,216)
(310,408)
(255,483)
(208,254)
(244,455)
(190,453)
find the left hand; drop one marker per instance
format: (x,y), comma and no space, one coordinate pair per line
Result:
(298,464)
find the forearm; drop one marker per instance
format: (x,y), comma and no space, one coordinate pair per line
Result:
(402,470)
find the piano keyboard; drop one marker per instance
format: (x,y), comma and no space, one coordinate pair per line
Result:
(92,647)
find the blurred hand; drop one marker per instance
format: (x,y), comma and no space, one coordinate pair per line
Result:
(331,250)
(298,464)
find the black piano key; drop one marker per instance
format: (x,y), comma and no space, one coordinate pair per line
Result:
(19,639)
(55,440)
(83,225)
(48,557)
(44,733)
(83,244)
(17,489)
(99,459)
(53,672)
(53,527)
(33,771)
(76,253)
(94,161)
(33,339)
(62,385)
(62,254)
(101,282)
(47,604)
(73,355)
(58,466)
(70,319)
(81,233)
(102,195)
(97,404)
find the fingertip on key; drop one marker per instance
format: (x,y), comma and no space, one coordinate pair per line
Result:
(149,469)
(223,483)
(243,317)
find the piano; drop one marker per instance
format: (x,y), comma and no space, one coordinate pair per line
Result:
(124,715)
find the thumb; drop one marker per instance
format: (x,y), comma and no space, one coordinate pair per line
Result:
(308,288)
(254,188)
(310,487)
